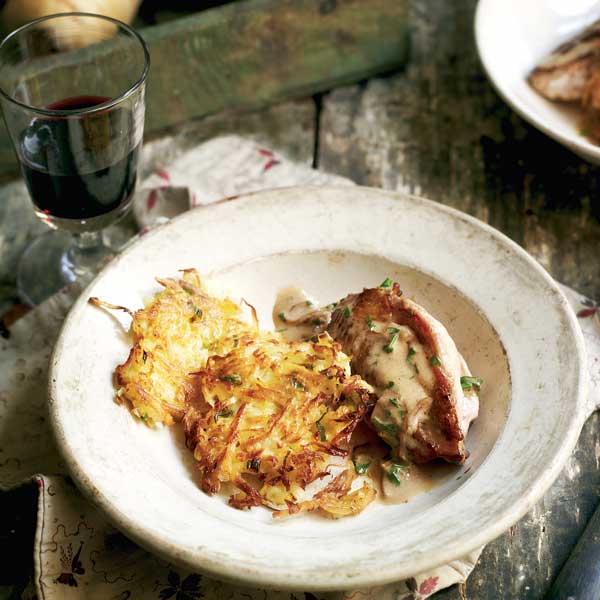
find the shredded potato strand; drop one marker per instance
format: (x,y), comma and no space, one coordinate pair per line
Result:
(278,415)
(174,334)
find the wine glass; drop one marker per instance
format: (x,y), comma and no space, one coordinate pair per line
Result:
(72,96)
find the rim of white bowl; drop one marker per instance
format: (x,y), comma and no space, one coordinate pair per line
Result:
(462,546)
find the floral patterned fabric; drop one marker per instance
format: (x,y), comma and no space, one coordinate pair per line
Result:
(78,554)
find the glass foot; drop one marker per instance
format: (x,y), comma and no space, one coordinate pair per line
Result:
(56,259)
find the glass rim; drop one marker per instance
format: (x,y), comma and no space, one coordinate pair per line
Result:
(92,109)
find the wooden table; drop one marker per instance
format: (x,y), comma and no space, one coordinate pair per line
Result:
(439,130)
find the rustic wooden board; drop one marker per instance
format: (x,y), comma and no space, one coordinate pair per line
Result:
(439,130)
(257,52)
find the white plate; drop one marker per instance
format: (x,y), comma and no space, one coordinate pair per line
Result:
(506,314)
(512,37)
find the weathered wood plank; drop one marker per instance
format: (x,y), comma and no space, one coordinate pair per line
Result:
(257,52)
(580,576)
(254,52)
(440,130)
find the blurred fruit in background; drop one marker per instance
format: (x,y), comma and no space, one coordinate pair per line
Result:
(14,13)
(18,12)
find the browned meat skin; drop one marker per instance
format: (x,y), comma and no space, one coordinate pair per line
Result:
(572,74)
(565,73)
(439,430)
(567,82)
(590,122)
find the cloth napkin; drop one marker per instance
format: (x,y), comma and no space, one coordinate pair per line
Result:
(77,553)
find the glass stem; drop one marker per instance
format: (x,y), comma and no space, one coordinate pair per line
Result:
(86,253)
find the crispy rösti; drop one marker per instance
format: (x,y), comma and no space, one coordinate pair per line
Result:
(173,335)
(274,419)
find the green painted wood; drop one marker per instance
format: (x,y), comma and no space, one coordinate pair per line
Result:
(254,53)
(251,53)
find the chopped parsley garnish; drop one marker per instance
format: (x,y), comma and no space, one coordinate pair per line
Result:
(410,354)
(320,428)
(226,412)
(346,312)
(395,402)
(197,313)
(234,378)
(388,428)
(144,416)
(281,316)
(390,385)
(389,347)
(309,303)
(370,324)
(468,383)
(253,464)
(361,467)
(435,361)
(394,473)
(386,283)
(297,384)
(144,356)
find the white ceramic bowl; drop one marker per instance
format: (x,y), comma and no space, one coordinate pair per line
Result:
(512,37)
(506,314)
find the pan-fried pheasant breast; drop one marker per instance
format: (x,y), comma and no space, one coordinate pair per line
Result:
(273,420)
(565,73)
(174,334)
(571,73)
(426,395)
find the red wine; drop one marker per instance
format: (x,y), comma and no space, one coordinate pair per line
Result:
(80,167)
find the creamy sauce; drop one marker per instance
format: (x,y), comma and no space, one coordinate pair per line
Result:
(298,316)
(396,482)
(398,368)
(415,480)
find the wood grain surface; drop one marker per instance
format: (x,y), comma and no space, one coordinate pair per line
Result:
(439,130)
